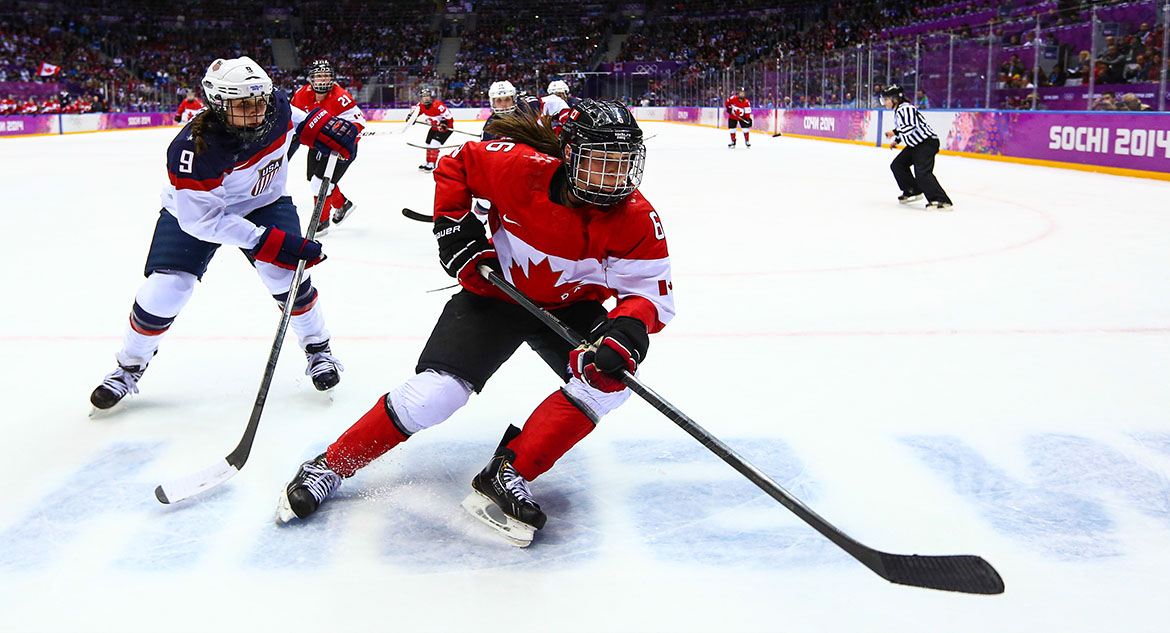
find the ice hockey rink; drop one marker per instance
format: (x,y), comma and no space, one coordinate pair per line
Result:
(988,381)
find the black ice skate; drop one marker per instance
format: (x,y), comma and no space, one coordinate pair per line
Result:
(322,227)
(731,144)
(343,212)
(313,483)
(427,167)
(501,498)
(323,367)
(117,385)
(907,198)
(939,206)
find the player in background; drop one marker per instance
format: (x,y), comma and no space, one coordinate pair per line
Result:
(559,88)
(323,91)
(739,112)
(441,121)
(7,106)
(228,168)
(911,129)
(504,100)
(570,229)
(188,108)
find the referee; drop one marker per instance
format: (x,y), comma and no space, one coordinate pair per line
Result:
(911,129)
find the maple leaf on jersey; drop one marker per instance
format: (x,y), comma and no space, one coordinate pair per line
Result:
(541,281)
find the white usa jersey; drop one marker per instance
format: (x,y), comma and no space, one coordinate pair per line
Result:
(210,192)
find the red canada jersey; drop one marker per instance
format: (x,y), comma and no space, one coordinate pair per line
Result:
(555,254)
(337,102)
(435,112)
(738,109)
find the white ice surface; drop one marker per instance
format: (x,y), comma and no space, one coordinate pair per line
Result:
(989,381)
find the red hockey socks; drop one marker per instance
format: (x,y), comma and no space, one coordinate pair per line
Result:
(432,156)
(552,429)
(746,137)
(368,439)
(336,199)
(733,136)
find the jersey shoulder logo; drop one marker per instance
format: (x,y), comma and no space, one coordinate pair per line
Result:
(265,175)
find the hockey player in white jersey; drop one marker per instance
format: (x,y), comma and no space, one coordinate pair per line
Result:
(228,169)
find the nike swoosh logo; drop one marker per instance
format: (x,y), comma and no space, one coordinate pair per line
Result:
(505,218)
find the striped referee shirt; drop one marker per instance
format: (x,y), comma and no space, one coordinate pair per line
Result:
(910,127)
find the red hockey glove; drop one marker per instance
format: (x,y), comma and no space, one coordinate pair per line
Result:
(285,250)
(618,344)
(444,125)
(471,279)
(324,132)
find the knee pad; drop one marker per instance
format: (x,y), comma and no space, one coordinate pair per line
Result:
(593,402)
(165,292)
(427,399)
(277,279)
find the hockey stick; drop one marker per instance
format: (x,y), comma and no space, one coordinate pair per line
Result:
(415,215)
(425,147)
(193,484)
(963,573)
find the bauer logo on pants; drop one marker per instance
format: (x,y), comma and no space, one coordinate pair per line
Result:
(265,176)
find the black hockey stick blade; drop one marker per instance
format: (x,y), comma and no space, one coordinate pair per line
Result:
(777,134)
(963,573)
(415,215)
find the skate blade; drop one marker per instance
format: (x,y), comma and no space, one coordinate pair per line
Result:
(97,414)
(284,511)
(515,532)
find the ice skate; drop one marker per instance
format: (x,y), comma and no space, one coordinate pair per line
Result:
(343,212)
(939,206)
(313,483)
(907,198)
(427,167)
(322,227)
(323,366)
(731,144)
(501,498)
(116,385)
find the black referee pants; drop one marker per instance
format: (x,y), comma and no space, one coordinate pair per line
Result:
(923,180)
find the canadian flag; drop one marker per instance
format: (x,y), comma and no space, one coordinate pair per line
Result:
(48,70)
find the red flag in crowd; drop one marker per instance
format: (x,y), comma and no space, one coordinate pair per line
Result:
(48,70)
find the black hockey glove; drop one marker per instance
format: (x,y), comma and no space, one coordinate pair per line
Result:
(618,344)
(747,120)
(463,246)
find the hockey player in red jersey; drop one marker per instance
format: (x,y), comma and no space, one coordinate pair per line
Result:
(739,112)
(441,122)
(323,92)
(188,108)
(570,229)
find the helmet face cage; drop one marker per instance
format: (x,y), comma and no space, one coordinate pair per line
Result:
(502,90)
(605,173)
(226,108)
(321,76)
(426,96)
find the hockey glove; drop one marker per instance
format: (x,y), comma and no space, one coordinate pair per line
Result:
(463,246)
(747,121)
(324,132)
(618,344)
(285,250)
(444,125)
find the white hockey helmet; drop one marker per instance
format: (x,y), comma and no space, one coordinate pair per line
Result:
(234,79)
(502,90)
(558,87)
